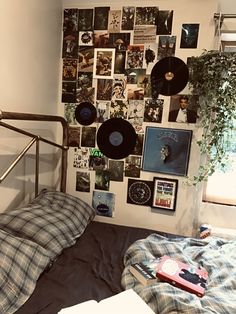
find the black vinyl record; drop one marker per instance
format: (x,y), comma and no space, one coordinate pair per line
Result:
(169,76)
(116,138)
(85,113)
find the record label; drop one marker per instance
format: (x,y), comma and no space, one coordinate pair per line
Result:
(85,113)
(116,138)
(169,76)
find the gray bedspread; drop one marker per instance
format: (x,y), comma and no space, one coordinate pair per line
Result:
(217,256)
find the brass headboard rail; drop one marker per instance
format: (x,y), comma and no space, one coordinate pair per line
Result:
(36,139)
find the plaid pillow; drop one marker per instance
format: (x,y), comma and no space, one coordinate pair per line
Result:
(53,220)
(22,261)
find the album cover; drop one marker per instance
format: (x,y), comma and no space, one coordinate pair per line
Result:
(97,160)
(171,148)
(103,203)
(88,136)
(166,46)
(184,108)
(139,192)
(153,110)
(82,181)
(102,180)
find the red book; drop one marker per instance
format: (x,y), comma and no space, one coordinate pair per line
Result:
(181,275)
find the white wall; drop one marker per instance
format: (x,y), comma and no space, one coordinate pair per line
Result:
(189,197)
(30,33)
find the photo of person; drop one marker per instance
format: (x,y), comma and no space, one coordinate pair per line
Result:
(103,63)
(127,22)
(183,108)
(118,90)
(153,110)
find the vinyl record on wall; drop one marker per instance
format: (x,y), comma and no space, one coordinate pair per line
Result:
(169,76)
(85,113)
(116,138)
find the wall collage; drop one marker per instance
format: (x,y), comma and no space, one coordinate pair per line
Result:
(107,59)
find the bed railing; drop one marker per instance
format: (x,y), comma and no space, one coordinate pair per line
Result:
(35,139)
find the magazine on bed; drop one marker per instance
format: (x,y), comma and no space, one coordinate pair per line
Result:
(181,275)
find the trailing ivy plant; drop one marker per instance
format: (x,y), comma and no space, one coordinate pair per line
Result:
(213,78)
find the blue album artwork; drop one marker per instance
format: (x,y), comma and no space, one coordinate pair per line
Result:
(103,203)
(167,150)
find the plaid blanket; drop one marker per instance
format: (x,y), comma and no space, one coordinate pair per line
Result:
(21,263)
(217,256)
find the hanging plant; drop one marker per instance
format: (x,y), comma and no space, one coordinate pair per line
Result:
(213,78)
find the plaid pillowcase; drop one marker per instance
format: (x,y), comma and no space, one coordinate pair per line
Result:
(22,261)
(54,220)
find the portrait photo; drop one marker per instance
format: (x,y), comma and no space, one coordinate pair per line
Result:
(183,108)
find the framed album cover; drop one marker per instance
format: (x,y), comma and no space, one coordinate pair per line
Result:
(164,193)
(139,192)
(167,150)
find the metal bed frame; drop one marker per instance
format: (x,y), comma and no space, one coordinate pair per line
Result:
(36,139)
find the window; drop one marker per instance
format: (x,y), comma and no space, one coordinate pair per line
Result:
(221,186)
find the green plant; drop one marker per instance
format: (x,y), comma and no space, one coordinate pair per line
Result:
(213,78)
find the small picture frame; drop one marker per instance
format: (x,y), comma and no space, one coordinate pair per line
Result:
(104,59)
(164,193)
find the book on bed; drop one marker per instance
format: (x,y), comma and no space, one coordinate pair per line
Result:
(125,302)
(145,271)
(182,275)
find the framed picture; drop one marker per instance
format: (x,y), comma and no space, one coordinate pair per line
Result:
(104,59)
(139,192)
(164,193)
(167,150)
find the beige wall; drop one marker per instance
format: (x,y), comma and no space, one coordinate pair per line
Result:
(30,32)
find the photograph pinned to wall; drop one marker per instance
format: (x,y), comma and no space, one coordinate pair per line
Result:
(74,136)
(86,59)
(68,92)
(164,193)
(132,166)
(69,113)
(70,46)
(114,21)
(135,114)
(189,36)
(81,157)
(150,56)
(164,22)
(86,38)
(119,87)
(120,58)
(134,57)
(102,108)
(139,192)
(85,79)
(171,148)
(153,110)
(146,15)
(116,169)
(101,18)
(103,203)
(97,160)
(70,20)
(101,39)
(102,180)
(119,109)
(88,136)
(138,148)
(85,94)
(69,70)
(119,41)
(135,76)
(82,181)
(144,34)
(145,83)
(104,59)
(166,46)
(127,22)
(134,92)
(104,89)
(183,108)
(85,19)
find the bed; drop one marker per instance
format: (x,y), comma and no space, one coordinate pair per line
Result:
(54,255)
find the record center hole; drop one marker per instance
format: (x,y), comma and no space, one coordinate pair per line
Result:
(169,76)
(116,138)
